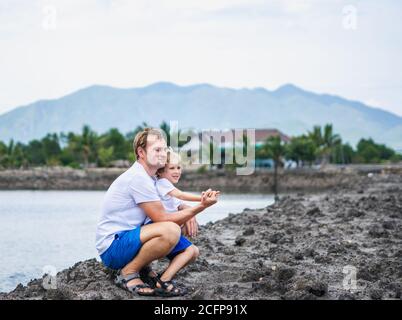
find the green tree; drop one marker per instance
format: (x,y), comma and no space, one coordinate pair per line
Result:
(113,138)
(35,153)
(370,152)
(51,149)
(3,155)
(343,154)
(88,145)
(325,141)
(105,156)
(301,149)
(19,156)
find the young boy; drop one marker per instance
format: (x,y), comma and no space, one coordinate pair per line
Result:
(172,199)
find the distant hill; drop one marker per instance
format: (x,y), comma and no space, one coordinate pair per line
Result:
(202,106)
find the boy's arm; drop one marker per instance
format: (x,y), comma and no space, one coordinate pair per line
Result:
(184,195)
(157,213)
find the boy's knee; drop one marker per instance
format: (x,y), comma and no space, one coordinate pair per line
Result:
(196,252)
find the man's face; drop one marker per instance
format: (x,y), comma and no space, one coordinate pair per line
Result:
(156,152)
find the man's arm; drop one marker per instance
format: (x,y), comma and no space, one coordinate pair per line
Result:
(157,213)
(191,226)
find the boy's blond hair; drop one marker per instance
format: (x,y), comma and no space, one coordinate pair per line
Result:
(171,154)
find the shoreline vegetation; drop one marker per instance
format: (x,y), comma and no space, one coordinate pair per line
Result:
(89,149)
(342,244)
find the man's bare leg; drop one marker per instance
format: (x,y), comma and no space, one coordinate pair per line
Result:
(158,240)
(180,261)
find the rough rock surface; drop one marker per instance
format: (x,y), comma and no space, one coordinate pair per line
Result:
(297,248)
(62,178)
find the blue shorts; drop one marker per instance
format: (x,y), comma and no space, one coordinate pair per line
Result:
(123,249)
(182,245)
(126,245)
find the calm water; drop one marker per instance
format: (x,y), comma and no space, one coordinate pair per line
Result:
(57,228)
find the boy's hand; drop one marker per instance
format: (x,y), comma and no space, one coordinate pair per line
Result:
(191,228)
(209,198)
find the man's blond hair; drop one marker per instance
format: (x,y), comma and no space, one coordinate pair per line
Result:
(141,138)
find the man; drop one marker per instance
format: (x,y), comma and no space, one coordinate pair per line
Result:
(122,241)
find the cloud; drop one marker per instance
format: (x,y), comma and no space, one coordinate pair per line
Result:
(235,43)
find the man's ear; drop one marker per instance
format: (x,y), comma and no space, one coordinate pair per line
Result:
(141,152)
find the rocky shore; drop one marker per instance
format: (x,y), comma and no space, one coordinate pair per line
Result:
(262,181)
(305,246)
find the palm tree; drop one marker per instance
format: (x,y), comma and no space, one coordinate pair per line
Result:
(88,145)
(316,136)
(331,140)
(325,141)
(164,126)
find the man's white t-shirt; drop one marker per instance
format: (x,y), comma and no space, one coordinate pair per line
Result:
(120,210)
(171,204)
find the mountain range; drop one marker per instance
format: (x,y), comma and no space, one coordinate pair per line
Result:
(289,108)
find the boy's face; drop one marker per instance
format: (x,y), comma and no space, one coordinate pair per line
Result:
(172,172)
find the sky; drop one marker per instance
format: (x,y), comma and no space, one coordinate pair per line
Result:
(50,48)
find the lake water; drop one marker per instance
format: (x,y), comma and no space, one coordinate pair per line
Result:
(52,230)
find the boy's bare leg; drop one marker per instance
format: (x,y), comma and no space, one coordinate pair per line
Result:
(179,262)
(158,240)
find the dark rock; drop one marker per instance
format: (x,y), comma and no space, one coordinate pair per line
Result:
(265,285)
(336,248)
(249,231)
(239,241)
(375,293)
(298,256)
(228,251)
(318,288)
(354,213)
(377,231)
(314,211)
(276,237)
(370,273)
(321,259)
(389,225)
(285,274)
(347,296)
(310,252)
(198,294)
(251,275)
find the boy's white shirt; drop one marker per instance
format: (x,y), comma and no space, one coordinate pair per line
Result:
(170,203)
